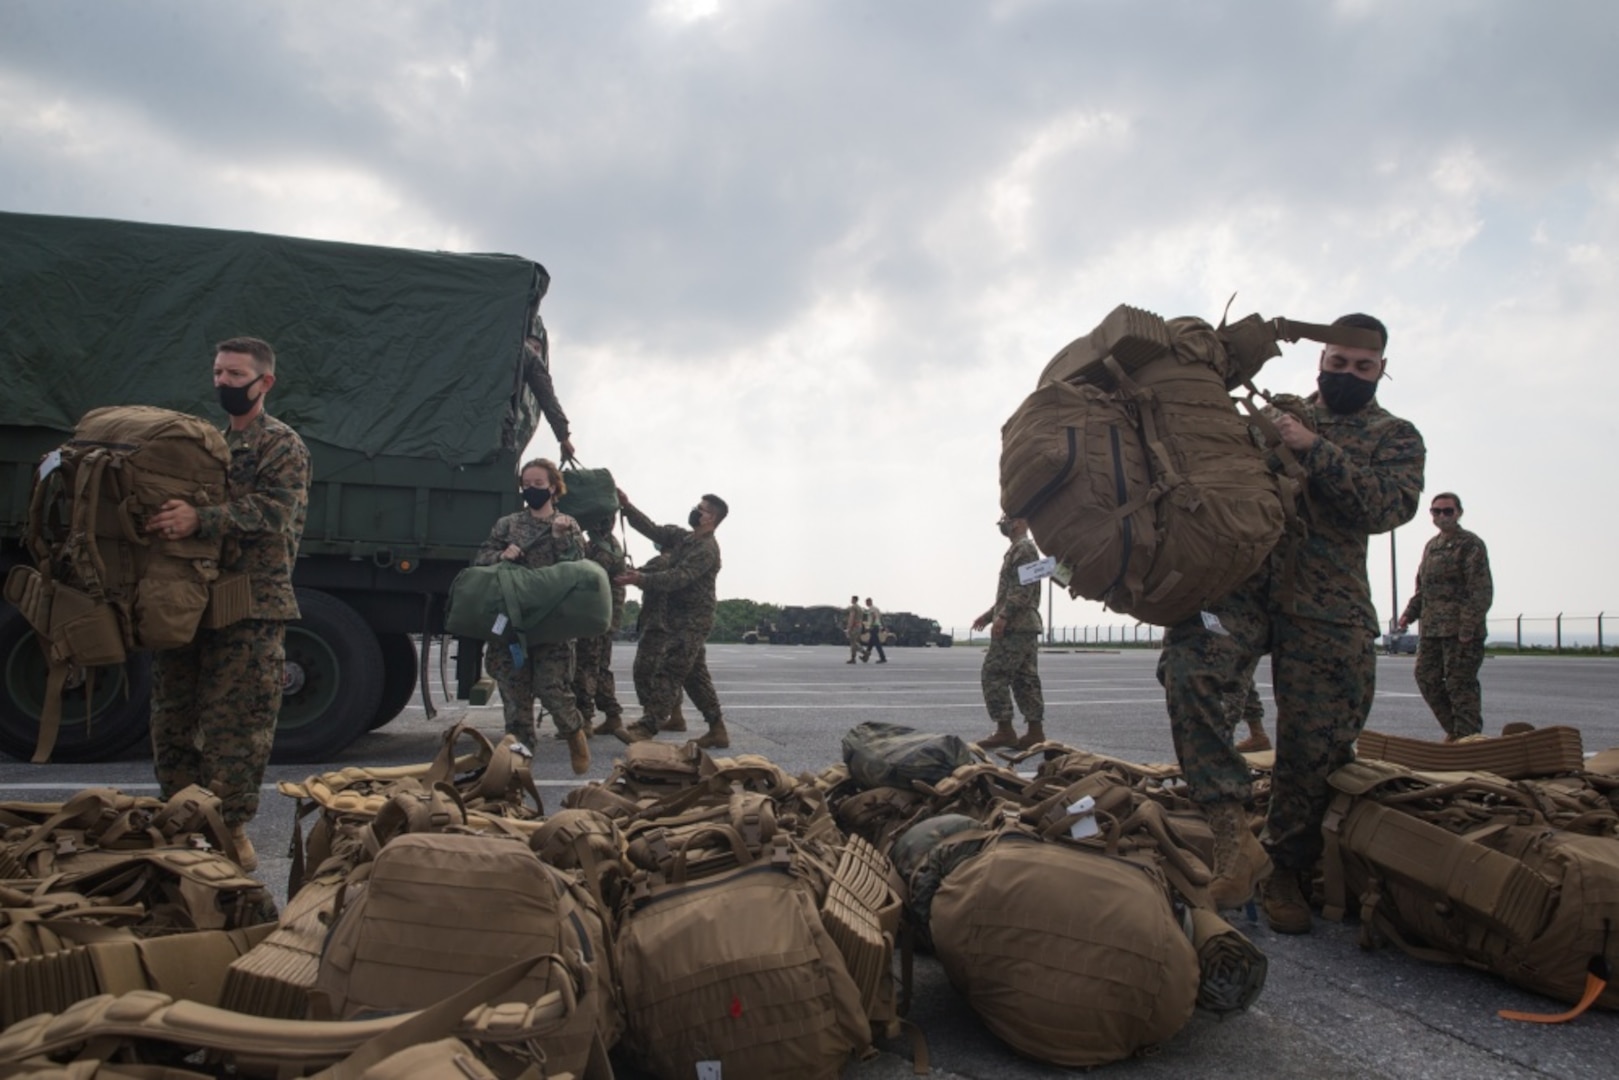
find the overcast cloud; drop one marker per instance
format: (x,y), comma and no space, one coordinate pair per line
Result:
(810,254)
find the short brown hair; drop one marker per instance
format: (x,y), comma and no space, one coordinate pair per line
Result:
(259,349)
(559,487)
(1457,499)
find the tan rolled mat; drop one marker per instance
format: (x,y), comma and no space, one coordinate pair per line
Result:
(1546,751)
(1606,762)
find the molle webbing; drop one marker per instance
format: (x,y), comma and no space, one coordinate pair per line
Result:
(1491,886)
(188,966)
(1547,751)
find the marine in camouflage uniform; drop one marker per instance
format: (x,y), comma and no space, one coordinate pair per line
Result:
(677,615)
(1310,607)
(1453,597)
(215,701)
(546,670)
(1012,662)
(593,685)
(537,376)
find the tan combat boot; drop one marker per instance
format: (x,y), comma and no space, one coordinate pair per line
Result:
(1256,741)
(579,751)
(246,857)
(676,721)
(1035,734)
(608,726)
(1286,908)
(716,738)
(1004,736)
(1240,862)
(640,731)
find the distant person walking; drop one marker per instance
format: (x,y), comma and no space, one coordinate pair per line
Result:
(872,625)
(852,625)
(1012,661)
(1453,597)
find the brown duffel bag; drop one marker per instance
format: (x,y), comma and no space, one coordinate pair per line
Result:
(1070,956)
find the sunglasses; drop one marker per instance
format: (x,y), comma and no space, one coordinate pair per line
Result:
(1443,511)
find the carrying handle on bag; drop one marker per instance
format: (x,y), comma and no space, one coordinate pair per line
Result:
(739,848)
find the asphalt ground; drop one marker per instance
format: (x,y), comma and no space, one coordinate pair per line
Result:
(1328,1009)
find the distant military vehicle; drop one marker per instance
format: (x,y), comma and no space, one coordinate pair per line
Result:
(903,628)
(821,624)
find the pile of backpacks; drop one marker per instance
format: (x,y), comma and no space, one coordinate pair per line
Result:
(711,916)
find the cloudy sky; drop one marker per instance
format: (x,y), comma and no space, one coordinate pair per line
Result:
(810,254)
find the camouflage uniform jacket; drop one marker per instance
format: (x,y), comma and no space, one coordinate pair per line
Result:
(685,581)
(605,551)
(854,620)
(263,522)
(1454,588)
(537,374)
(541,547)
(1365,477)
(1015,602)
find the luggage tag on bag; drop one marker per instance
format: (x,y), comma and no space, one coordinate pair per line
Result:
(52,462)
(1211,623)
(501,622)
(1086,825)
(708,1070)
(1039,570)
(519,657)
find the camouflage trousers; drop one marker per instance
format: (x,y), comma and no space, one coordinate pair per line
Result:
(1244,705)
(214,708)
(1012,672)
(1447,675)
(593,685)
(546,673)
(1324,676)
(668,662)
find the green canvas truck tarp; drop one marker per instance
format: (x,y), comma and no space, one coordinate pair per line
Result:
(379,350)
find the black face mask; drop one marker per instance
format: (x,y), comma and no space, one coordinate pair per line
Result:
(536,497)
(234,399)
(1343,392)
(1005,527)
(695,518)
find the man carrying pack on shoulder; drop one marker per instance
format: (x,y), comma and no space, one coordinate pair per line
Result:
(1453,597)
(216,700)
(1310,607)
(672,654)
(1012,661)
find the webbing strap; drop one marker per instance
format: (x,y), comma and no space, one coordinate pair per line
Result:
(50,712)
(1594,986)
(1351,337)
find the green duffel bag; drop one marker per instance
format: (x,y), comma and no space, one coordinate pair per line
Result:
(890,755)
(591,498)
(506,602)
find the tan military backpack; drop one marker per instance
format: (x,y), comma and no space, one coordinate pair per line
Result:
(101,586)
(1134,467)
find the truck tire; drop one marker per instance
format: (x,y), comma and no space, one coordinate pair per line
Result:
(399,682)
(333,683)
(120,694)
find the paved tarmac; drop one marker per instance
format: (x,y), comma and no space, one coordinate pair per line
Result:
(1328,1009)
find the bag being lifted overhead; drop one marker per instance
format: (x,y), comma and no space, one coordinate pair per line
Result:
(1134,467)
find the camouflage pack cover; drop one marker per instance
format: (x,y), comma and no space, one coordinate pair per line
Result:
(891,755)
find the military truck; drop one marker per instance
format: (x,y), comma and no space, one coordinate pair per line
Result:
(820,624)
(903,628)
(400,369)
